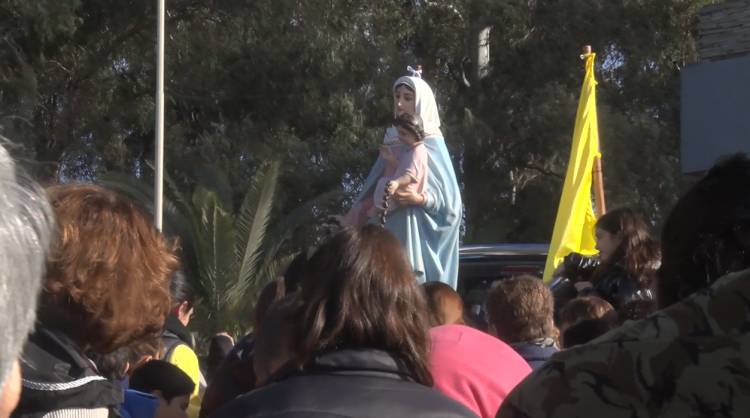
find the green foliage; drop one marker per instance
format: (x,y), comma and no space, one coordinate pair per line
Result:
(511,130)
(307,83)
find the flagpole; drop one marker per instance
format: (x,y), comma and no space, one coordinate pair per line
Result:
(598,178)
(159,178)
(601,204)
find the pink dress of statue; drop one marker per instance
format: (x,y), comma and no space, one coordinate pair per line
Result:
(412,161)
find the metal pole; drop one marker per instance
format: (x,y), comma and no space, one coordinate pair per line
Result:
(159,178)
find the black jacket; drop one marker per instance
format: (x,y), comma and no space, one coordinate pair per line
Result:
(615,285)
(234,377)
(345,383)
(618,288)
(57,375)
(175,334)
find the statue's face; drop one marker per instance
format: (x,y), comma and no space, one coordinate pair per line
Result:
(404,101)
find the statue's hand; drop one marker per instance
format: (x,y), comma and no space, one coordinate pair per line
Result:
(409,198)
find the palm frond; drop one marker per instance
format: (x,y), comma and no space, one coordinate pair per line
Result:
(252,224)
(249,204)
(286,226)
(268,273)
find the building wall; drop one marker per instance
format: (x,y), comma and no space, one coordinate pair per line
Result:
(724,30)
(715,112)
(715,93)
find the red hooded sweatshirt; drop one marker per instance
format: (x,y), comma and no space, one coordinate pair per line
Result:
(474,368)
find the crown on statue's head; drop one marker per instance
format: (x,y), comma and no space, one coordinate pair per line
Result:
(415,72)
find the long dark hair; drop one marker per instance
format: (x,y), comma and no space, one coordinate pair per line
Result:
(638,253)
(360,292)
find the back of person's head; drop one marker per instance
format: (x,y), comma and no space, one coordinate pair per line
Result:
(273,344)
(108,272)
(563,291)
(162,379)
(707,234)
(635,310)
(114,365)
(444,303)
(219,347)
(360,292)
(271,292)
(26,227)
(521,309)
(182,298)
(637,253)
(181,291)
(296,270)
(584,331)
(583,308)
(121,362)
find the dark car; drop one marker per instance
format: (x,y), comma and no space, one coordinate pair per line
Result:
(481,265)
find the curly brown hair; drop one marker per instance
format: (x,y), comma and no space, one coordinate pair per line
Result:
(107,279)
(521,309)
(360,292)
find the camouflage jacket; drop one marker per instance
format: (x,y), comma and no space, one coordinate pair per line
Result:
(690,359)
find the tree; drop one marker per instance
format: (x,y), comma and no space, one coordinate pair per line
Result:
(307,83)
(513,125)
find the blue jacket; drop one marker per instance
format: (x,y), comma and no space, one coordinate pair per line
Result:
(138,405)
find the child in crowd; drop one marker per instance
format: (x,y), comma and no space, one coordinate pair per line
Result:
(520,313)
(584,308)
(446,305)
(171,386)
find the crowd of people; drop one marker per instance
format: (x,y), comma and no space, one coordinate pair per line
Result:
(348,331)
(97,311)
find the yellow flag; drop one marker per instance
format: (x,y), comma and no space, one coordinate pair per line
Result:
(574,225)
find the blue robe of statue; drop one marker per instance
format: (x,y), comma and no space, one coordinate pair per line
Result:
(428,233)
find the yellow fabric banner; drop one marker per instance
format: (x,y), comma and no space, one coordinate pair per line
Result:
(574,225)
